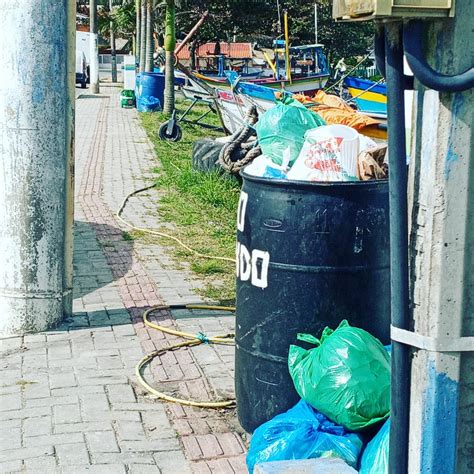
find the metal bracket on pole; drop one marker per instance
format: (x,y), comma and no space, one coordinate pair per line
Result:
(433,344)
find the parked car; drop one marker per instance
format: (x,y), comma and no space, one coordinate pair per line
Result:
(81,69)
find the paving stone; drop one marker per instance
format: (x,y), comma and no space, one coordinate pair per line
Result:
(10,438)
(121,394)
(51,401)
(66,414)
(37,426)
(97,469)
(59,350)
(41,464)
(10,402)
(72,454)
(8,455)
(62,380)
(124,458)
(102,442)
(25,413)
(83,427)
(131,430)
(54,439)
(165,444)
(11,466)
(172,462)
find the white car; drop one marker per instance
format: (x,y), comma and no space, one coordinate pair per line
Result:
(81,69)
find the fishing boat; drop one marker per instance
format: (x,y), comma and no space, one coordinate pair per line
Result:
(307,71)
(370,97)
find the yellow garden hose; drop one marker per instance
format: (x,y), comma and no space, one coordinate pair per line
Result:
(193,340)
(162,234)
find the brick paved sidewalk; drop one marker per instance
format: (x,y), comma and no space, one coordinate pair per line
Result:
(68,398)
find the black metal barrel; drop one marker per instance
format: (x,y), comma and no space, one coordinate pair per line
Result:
(309,255)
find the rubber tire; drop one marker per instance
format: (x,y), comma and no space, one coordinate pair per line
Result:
(176,133)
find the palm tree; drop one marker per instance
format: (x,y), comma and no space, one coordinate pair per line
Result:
(136,49)
(143,34)
(149,45)
(170,43)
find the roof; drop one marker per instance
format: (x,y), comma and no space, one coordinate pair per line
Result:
(230,50)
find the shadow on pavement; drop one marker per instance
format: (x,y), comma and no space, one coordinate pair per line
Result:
(97,300)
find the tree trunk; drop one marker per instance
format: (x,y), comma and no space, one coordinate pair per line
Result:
(142,35)
(94,50)
(150,47)
(192,54)
(113,53)
(136,50)
(170,43)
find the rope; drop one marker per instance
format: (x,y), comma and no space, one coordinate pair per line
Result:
(162,234)
(242,148)
(193,340)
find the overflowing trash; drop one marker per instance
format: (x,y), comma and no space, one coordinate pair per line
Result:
(302,433)
(335,110)
(346,376)
(375,457)
(283,127)
(372,163)
(344,383)
(299,144)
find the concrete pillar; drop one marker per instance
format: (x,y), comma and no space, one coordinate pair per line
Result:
(94,48)
(36,145)
(441,188)
(68,270)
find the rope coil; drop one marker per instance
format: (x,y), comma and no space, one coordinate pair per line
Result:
(242,147)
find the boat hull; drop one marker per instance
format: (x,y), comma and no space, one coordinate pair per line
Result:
(304,85)
(370,97)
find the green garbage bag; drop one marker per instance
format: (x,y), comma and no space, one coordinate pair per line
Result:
(283,126)
(346,377)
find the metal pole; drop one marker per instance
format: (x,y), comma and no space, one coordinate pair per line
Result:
(315,23)
(113,54)
(35,152)
(400,386)
(94,48)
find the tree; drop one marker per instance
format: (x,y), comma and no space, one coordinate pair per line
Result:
(169,44)
(138,32)
(149,43)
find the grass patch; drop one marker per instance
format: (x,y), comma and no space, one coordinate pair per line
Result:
(201,206)
(127,236)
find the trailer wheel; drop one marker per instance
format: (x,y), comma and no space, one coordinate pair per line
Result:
(174,135)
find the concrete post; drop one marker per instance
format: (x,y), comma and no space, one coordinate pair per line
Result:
(68,271)
(35,159)
(94,48)
(441,185)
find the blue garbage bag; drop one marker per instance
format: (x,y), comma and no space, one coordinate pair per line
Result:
(302,433)
(375,456)
(148,104)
